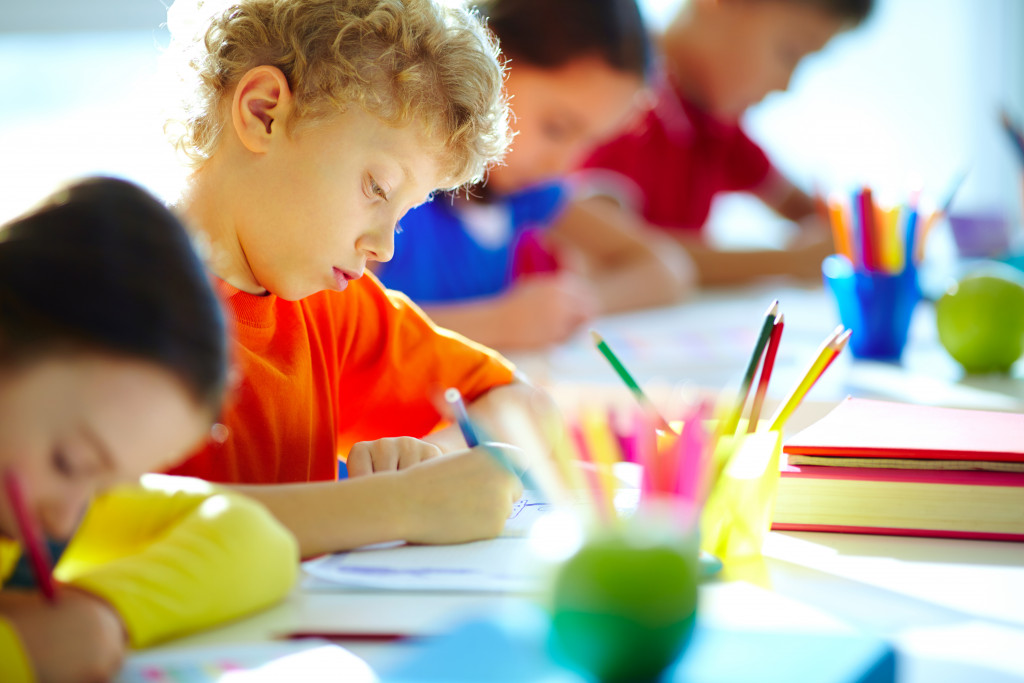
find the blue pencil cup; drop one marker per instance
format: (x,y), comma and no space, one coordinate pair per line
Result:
(876,306)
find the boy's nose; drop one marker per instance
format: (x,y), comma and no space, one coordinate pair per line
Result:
(380,244)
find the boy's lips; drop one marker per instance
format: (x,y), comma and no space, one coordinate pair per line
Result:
(342,277)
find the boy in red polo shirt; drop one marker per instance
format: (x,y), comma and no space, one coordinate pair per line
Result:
(312,127)
(721,57)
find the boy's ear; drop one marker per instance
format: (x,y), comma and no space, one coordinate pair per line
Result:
(260,107)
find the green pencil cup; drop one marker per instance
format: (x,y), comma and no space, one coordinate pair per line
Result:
(625,604)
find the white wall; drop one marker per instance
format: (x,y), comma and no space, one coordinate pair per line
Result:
(911,97)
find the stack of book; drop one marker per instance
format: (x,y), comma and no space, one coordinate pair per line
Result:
(890,468)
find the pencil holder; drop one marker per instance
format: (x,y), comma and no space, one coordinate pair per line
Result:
(876,306)
(624,605)
(738,510)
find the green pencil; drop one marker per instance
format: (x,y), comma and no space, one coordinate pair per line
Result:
(755,361)
(623,373)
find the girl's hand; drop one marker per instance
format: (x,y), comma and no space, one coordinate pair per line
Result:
(465,496)
(78,639)
(384,455)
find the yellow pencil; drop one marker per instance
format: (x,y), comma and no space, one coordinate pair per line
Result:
(604,455)
(890,244)
(827,352)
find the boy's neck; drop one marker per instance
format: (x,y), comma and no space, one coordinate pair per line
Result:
(206,204)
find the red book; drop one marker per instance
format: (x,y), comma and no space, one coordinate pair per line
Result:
(865,428)
(894,468)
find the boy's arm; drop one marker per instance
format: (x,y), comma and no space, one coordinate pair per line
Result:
(629,264)
(465,496)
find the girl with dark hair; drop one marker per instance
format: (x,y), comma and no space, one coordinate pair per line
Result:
(113,363)
(525,262)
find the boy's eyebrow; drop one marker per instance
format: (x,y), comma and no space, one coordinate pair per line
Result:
(409,177)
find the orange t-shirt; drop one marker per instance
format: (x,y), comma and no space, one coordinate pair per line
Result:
(332,369)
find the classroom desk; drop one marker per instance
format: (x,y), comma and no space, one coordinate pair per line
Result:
(954,609)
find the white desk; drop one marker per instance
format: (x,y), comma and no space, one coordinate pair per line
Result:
(954,609)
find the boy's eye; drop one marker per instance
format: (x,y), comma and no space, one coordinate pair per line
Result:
(377,190)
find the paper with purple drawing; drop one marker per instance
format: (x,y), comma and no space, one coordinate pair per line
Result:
(502,564)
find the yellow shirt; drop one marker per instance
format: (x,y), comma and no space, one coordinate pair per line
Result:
(172,555)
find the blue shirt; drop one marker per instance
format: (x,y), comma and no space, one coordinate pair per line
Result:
(452,251)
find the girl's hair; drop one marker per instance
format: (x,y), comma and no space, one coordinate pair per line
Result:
(400,60)
(103,267)
(550,33)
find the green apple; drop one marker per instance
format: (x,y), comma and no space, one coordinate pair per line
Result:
(980,319)
(624,605)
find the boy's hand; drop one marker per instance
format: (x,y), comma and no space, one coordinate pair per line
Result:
(79,638)
(547,308)
(385,455)
(465,496)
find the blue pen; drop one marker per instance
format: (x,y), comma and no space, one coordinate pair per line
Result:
(910,234)
(453,397)
(454,400)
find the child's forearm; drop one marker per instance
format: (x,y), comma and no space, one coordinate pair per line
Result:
(629,264)
(731,267)
(638,285)
(463,497)
(331,516)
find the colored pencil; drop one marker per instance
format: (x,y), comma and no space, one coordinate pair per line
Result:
(454,399)
(368,637)
(624,375)
(766,373)
(830,348)
(910,232)
(1016,136)
(469,432)
(868,230)
(603,455)
(693,454)
(752,365)
(943,210)
(840,223)
(889,242)
(31,537)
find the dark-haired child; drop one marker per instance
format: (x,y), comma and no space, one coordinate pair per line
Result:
(720,58)
(521,262)
(113,363)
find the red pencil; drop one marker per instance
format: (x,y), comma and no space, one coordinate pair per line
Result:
(31,538)
(868,234)
(349,635)
(766,373)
